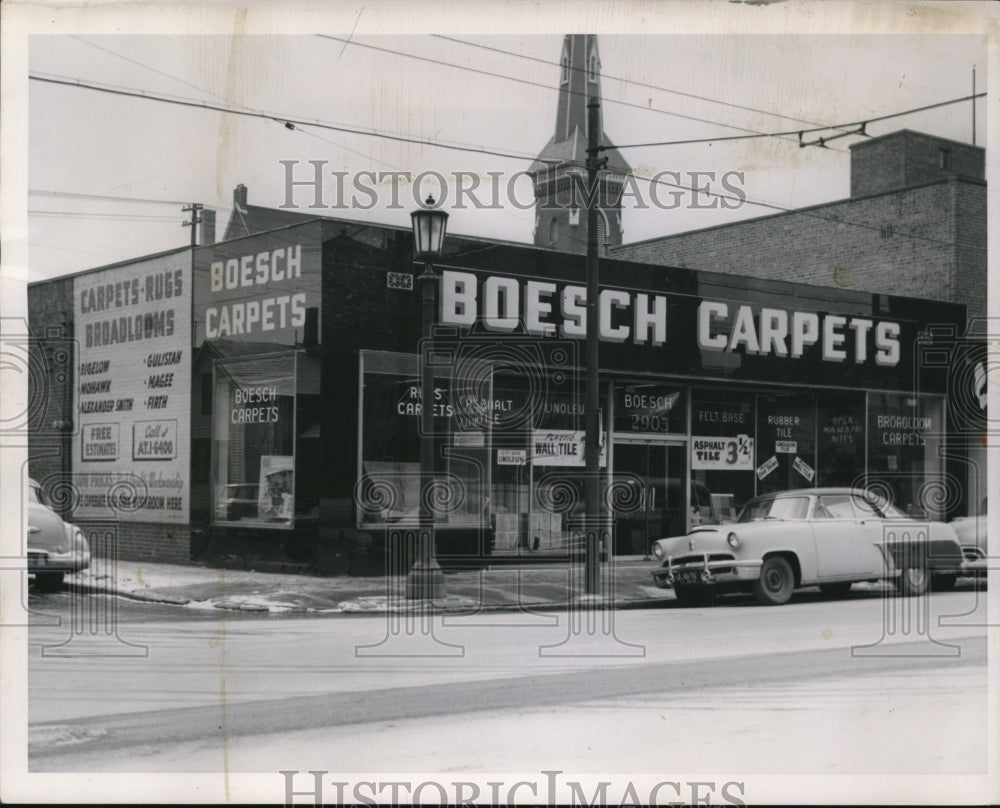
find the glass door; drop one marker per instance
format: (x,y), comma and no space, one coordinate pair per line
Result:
(653,481)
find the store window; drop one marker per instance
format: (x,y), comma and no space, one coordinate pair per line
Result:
(265,430)
(840,436)
(903,453)
(392,405)
(786,442)
(722,451)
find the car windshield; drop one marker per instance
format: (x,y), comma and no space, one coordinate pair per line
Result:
(36,494)
(774,508)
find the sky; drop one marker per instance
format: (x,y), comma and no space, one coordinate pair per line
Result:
(108,174)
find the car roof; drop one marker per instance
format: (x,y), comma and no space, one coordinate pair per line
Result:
(801,492)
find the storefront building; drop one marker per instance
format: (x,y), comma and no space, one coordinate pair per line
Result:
(713,388)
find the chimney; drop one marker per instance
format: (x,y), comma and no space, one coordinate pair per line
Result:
(207,228)
(240,198)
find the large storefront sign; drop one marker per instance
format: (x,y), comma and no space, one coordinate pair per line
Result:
(133,391)
(546,308)
(263,288)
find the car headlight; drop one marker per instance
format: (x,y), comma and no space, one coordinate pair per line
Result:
(733,541)
(657,550)
(77,541)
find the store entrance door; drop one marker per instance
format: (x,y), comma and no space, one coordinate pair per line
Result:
(653,494)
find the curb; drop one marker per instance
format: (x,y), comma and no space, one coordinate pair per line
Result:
(413,606)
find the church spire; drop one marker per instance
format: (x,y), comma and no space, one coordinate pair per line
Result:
(558,223)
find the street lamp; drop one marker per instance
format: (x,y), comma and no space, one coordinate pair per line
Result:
(425,579)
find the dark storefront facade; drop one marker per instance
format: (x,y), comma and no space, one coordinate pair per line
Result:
(713,388)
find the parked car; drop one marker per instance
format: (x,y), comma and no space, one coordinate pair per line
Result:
(237,501)
(971,532)
(55,547)
(830,537)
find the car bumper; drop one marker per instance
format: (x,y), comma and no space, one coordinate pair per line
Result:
(707,572)
(57,562)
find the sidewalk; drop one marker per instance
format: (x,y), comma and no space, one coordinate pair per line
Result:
(627,583)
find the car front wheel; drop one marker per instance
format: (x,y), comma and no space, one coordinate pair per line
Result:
(913,581)
(776,582)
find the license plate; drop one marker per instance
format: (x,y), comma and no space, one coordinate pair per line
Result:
(688,577)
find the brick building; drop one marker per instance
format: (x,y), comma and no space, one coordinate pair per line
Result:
(915,223)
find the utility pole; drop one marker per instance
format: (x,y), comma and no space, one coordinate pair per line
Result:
(973,105)
(194,209)
(592,438)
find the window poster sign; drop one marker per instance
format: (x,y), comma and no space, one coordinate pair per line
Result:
(133,390)
(722,454)
(277,489)
(562,447)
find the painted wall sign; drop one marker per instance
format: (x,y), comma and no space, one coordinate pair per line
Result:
(134,386)
(100,441)
(260,288)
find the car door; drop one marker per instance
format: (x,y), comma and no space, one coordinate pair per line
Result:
(873,523)
(843,549)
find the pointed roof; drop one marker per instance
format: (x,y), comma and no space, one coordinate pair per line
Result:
(580,78)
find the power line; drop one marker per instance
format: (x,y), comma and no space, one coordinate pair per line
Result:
(99,215)
(633,82)
(862,124)
(530,83)
(287,122)
(111,198)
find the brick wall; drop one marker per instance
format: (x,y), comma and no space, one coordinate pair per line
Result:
(51,373)
(970,241)
(924,242)
(906,159)
(138,541)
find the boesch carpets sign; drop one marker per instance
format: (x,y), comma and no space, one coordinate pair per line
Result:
(133,390)
(547,308)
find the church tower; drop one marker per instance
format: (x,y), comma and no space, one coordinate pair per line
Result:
(559,173)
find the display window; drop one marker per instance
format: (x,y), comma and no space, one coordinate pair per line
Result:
(265,430)
(840,436)
(509,453)
(721,453)
(786,442)
(904,463)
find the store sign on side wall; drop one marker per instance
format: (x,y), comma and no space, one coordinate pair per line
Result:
(133,390)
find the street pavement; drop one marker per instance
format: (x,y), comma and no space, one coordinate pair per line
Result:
(625,583)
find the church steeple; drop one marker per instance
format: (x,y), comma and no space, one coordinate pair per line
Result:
(559,172)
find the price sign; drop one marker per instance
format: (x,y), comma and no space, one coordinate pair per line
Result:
(722,454)
(767,467)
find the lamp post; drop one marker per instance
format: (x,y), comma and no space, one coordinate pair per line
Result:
(425,579)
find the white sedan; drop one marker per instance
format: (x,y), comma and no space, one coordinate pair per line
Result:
(830,537)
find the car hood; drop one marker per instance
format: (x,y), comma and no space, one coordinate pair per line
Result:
(706,539)
(970,530)
(46,531)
